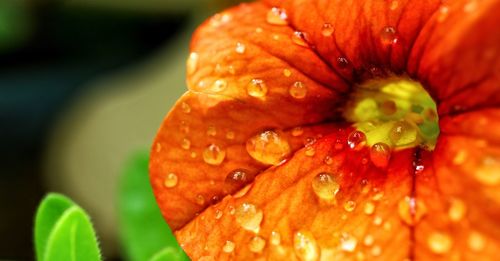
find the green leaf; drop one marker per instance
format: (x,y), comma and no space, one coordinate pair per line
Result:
(63,231)
(73,238)
(144,232)
(50,210)
(169,254)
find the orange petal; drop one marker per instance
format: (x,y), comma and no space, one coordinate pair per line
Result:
(362,221)
(460,185)
(457,55)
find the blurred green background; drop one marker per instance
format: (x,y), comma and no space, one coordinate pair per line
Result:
(84,84)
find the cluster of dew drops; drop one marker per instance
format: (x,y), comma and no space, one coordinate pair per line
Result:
(270,147)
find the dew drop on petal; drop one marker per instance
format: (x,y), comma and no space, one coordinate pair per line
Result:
(257,88)
(230,135)
(287,72)
(219,85)
(297,131)
(214,155)
(328,160)
(298,90)
(380,154)
(325,186)
(268,147)
(368,240)
(348,242)
(349,205)
(240,48)
(299,39)
(277,16)
(185,144)
(487,171)
(170,180)
(476,241)
(305,246)
(402,133)
(185,107)
(249,217)
(192,63)
(327,29)
(376,250)
(218,214)
(275,238)
(457,210)
(200,200)
(310,151)
(228,246)
(439,243)
(411,210)
(211,131)
(356,140)
(388,35)
(256,244)
(236,179)
(369,208)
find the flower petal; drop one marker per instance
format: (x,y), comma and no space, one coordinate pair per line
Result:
(360,222)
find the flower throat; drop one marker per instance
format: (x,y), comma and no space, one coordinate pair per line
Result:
(396,111)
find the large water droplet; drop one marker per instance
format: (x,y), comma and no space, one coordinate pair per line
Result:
(214,155)
(305,246)
(257,88)
(403,133)
(257,244)
(170,180)
(325,186)
(268,147)
(439,242)
(277,16)
(298,90)
(249,217)
(327,29)
(356,140)
(380,154)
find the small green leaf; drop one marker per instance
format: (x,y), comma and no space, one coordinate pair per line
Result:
(144,232)
(50,210)
(63,231)
(170,254)
(73,238)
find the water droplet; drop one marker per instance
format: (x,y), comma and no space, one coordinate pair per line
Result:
(230,135)
(348,242)
(277,16)
(376,250)
(439,243)
(476,241)
(368,240)
(487,172)
(299,39)
(218,214)
(257,244)
(380,154)
(249,217)
(219,85)
(275,238)
(231,69)
(305,246)
(369,208)
(356,140)
(158,147)
(310,151)
(171,180)
(298,90)
(185,144)
(200,200)
(193,154)
(388,35)
(388,107)
(214,155)
(257,88)
(211,131)
(325,186)
(327,29)
(228,246)
(185,107)
(377,220)
(236,179)
(411,210)
(342,62)
(378,196)
(287,72)
(328,160)
(402,133)
(240,48)
(297,131)
(394,5)
(457,210)
(349,205)
(192,63)
(268,147)
(219,19)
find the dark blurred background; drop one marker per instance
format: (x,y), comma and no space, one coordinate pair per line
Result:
(83,83)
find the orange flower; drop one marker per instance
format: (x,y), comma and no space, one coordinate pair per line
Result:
(257,161)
